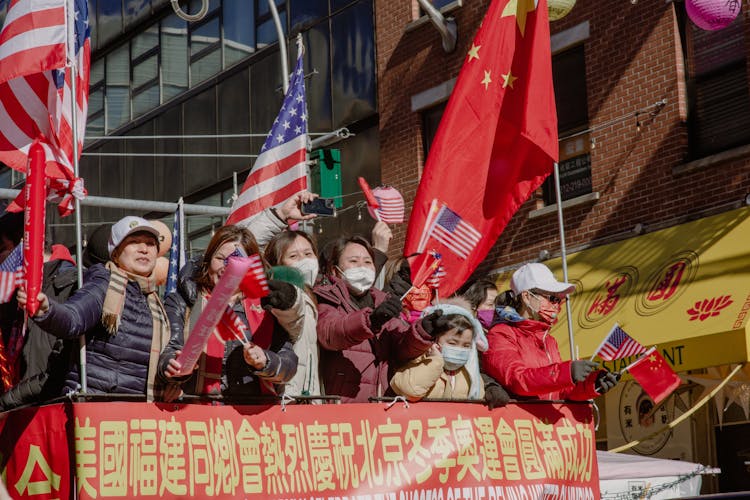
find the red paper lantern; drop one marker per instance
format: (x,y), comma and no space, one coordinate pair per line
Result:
(712,14)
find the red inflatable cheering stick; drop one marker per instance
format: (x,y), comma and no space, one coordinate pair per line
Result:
(372,202)
(33,228)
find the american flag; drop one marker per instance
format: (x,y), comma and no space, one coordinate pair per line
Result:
(618,344)
(390,205)
(280,170)
(35,90)
(11,273)
(177,257)
(455,233)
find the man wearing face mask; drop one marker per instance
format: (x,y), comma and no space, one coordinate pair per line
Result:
(360,331)
(523,357)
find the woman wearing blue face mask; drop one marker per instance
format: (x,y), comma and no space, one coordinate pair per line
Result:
(450,369)
(359,329)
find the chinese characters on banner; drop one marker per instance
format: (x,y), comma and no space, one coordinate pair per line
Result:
(440,450)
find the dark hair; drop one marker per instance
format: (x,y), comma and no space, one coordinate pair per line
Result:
(279,243)
(223,235)
(508,298)
(96,251)
(331,253)
(459,322)
(477,292)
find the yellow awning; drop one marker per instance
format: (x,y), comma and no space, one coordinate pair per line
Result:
(685,289)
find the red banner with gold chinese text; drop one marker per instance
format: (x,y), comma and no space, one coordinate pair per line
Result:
(428,450)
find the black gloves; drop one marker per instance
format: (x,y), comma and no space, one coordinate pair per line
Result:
(605,381)
(581,368)
(494,394)
(389,308)
(435,323)
(281,296)
(400,282)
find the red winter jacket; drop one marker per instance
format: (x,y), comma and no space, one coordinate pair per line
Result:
(354,360)
(524,358)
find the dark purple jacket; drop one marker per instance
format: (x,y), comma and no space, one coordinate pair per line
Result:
(354,360)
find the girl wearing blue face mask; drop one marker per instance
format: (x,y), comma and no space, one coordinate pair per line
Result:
(450,369)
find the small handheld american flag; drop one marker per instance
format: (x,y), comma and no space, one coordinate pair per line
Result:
(618,344)
(455,233)
(11,273)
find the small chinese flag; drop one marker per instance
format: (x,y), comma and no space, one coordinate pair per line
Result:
(231,327)
(255,283)
(655,375)
(423,266)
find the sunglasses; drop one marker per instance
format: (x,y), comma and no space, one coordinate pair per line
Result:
(552,299)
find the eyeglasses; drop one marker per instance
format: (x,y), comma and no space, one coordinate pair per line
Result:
(552,299)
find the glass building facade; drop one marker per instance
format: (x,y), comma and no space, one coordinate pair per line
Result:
(154,74)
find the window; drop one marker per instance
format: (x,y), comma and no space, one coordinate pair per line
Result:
(430,121)
(174,47)
(438,4)
(265,29)
(718,98)
(239,41)
(118,88)
(95,121)
(144,54)
(205,44)
(569,76)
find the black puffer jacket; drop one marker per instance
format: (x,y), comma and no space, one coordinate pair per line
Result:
(45,358)
(238,379)
(116,363)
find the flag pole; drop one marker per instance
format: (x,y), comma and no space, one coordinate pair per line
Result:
(70,49)
(282,45)
(640,358)
(564,257)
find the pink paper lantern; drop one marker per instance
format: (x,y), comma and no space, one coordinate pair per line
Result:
(712,14)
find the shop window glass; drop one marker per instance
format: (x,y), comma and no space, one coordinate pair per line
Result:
(136,11)
(118,88)
(305,12)
(109,20)
(353,66)
(239,41)
(571,101)
(174,49)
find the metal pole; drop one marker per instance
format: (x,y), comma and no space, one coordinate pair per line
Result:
(139,206)
(282,45)
(73,67)
(564,256)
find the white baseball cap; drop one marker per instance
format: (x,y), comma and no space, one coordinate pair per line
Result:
(537,276)
(127,226)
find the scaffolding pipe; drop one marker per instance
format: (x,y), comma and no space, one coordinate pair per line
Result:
(135,205)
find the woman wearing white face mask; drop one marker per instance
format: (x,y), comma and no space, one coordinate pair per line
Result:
(297,249)
(359,329)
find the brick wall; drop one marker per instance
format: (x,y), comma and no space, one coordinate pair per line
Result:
(633,59)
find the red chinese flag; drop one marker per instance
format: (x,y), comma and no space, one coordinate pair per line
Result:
(655,375)
(497,140)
